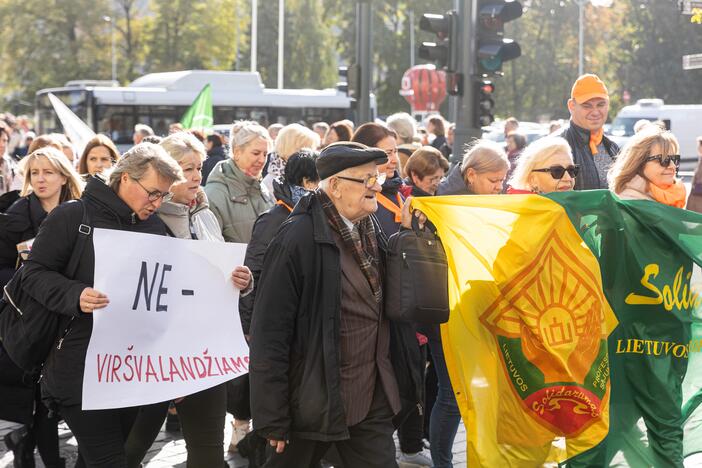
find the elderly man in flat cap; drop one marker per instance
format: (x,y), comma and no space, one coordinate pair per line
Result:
(323,367)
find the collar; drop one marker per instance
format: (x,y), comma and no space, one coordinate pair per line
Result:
(103,195)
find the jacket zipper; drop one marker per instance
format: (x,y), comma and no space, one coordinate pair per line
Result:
(65,334)
(9,298)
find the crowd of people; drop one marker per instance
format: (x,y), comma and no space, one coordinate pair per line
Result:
(330,377)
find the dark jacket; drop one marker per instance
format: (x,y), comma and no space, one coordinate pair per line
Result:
(62,376)
(453,184)
(388,220)
(214,156)
(263,232)
(438,142)
(294,362)
(579,141)
(19,223)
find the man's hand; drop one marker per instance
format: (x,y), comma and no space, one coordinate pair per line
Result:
(278,444)
(91,299)
(407,216)
(241,277)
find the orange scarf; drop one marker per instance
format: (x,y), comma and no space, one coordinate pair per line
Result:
(675,195)
(595,140)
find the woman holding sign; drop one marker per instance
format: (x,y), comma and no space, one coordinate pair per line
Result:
(135,190)
(187,216)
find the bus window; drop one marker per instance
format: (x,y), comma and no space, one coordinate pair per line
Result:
(117,122)
(75,100)
(163,116)
(228,115)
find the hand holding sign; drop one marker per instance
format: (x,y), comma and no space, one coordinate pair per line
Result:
(241,277)
(90,300)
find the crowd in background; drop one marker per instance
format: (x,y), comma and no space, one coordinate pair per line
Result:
(242,187)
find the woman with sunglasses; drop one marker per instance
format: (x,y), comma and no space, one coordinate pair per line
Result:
(545,166)
(647,167)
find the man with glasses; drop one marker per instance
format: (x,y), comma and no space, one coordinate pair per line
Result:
(592,150)
(320,364)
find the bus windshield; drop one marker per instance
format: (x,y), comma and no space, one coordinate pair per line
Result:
(76,100)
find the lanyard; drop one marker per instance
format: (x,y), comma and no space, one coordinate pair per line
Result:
(390,206)
(282,203)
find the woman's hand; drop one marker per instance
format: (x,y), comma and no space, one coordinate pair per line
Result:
(91,299)
(241,277)
(407,217)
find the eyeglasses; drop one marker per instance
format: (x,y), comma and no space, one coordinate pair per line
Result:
(156,194)
(557,172)
(665,162)
(369,182)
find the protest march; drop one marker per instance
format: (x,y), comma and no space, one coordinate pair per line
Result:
(303,276)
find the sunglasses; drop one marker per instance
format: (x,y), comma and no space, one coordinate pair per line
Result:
(664,161)
(557,172)
(369,182)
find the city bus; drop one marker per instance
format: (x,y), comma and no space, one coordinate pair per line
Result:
(160,99)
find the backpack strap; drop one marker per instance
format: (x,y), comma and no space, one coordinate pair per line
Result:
(84,233)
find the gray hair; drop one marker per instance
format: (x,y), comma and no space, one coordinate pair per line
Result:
(404,125)
(485,156)
(143,129)
(180,144)
(292,138)
(534,155)
(244,132)
(137,161)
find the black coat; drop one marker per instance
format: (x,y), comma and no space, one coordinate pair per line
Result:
(19,223)
(213,157)
(386,217)
(62,376)
(579,141)
(264,230)
(294,355)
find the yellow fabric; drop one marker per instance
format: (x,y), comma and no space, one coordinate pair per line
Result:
(518,270)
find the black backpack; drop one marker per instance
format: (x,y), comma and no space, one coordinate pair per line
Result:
(416,277)
(27,329)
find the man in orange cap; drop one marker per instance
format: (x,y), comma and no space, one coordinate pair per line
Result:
(592,150)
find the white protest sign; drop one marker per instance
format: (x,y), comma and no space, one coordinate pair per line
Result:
(172,327)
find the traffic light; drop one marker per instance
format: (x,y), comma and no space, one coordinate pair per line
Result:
(442,52)
(492,48)
(484,103)
(349,80)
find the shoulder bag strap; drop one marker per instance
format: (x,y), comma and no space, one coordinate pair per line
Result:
(84,233)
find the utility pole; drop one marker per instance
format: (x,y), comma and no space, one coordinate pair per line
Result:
(281,41)
(364,58)
(463,104)
(254,33)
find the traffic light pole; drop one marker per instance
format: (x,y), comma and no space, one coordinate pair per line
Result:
(464,103)
(364,34)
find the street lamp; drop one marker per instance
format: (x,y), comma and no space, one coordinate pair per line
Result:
(581,28)
(108,19)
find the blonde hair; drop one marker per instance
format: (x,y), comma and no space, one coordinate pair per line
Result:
(71,190)
(180,144)
(630,161)
(534,156)
(292,138)
(484,156)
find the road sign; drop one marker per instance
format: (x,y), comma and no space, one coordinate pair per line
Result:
(688,5)
(692,62)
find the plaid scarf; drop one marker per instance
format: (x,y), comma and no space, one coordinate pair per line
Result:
(365,249)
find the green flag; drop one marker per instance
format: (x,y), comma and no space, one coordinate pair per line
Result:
(575,333)
(199,115)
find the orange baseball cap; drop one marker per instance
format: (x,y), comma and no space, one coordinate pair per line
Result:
(588,86)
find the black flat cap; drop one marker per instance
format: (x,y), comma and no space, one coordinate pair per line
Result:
(339,156)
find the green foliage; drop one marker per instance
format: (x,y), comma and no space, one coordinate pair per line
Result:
(636,46)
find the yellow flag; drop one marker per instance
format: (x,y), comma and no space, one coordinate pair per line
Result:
(526,342)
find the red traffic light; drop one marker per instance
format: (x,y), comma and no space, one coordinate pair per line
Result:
(487,88)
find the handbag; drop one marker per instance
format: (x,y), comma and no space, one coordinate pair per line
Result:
(416,277)
(27,328)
